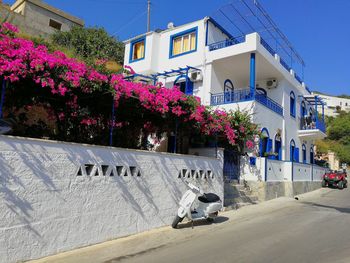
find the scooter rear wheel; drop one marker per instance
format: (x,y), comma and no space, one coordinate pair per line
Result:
(176,221)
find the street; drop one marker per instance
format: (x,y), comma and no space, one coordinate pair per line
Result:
(314,228)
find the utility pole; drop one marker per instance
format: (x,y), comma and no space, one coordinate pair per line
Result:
(148,15)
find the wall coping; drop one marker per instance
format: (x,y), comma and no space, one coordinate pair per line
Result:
(53,142)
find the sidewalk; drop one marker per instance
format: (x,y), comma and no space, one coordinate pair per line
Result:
(115,250)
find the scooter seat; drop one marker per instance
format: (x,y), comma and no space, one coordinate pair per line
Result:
(209,198)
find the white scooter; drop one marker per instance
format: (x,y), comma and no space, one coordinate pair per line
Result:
(208,207)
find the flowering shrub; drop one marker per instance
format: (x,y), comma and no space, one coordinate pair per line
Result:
(80,99)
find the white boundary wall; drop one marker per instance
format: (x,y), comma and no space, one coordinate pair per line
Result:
(302,172)
(278,171)
(46,207)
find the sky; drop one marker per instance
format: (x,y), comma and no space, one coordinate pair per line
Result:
(318,29)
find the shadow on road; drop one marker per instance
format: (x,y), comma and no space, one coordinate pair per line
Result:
(218,220)
(340,209)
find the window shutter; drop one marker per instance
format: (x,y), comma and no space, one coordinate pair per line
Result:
(269,145)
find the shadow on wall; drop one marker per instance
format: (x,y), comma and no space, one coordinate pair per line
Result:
(39,183)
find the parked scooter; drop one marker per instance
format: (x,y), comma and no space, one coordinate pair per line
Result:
(208,208)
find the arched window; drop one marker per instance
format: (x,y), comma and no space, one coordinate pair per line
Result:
(292,150)
(312,159)
(265,143)
(228,86)
(278,146)
(185,84)
(292,104)
(304,153)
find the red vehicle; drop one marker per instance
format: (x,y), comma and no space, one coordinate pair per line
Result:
(336,179)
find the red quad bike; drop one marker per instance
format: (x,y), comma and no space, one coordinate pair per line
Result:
(335,179)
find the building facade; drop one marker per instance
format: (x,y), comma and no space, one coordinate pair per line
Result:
(37,18)
(205,59)
(334,104)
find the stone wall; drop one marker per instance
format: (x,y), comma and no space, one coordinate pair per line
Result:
(56,196)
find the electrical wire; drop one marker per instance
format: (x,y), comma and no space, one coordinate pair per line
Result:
(130,22)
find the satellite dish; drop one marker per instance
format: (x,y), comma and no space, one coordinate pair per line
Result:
(5,127)
(171,25)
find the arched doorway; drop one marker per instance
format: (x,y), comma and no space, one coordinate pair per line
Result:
(278,146)
(304,153)
(185,84)
(228,91)
(265,142)
(292,150)
(312,158)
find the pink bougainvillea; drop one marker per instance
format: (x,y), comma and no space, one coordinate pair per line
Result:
(21,59)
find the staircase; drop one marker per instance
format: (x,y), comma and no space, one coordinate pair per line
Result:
(237,195)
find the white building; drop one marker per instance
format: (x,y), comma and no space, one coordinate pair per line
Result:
(230,70)
(334,104)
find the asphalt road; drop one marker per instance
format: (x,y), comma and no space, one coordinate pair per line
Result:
(315,228)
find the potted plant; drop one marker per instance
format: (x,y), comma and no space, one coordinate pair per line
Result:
(271,155)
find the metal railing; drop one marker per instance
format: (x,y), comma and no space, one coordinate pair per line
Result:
(298,78)
(267,47)
(245,95)
(226,43)
(308,123)
(269,103)
(231,97)
(284,64)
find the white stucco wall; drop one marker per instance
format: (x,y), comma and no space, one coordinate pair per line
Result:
(318,172)
(276,171)
(46,207)
(252,173)
(302,172)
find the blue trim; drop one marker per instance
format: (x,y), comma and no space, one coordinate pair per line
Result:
(292,171)
(292,108)
(252,74)
(132,44)
(223,30)
(191,30)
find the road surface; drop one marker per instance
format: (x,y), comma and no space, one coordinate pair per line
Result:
(315,228)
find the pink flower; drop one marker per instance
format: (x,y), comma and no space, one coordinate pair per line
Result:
(249,144)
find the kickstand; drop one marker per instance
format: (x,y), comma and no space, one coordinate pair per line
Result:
(192,224)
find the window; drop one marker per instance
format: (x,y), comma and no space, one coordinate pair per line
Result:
(292,104)
(137,49)
(183,43)
(292,151)
(55,24)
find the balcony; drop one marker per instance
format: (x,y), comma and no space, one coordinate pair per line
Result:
(245,95)
(312,127)
(226,43)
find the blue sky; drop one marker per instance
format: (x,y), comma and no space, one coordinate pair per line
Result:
(318,29)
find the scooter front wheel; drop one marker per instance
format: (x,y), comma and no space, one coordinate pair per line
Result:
(176,221)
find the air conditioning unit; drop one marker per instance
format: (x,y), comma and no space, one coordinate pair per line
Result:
(271,83)
(196,76)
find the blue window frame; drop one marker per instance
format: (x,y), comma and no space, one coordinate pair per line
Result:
(185,84)
(292,104)
(312,160)
(137,50)
(178,41)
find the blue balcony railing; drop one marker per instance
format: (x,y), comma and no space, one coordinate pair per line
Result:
(308,123)
(230,97)
(267,46)
(245,95)
(298,78)
(269,103)
(226,43)
(285,65)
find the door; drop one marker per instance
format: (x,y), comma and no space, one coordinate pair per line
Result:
(231,165)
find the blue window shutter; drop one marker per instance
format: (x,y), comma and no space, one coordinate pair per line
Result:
(269,145)
(189,88)
(296,154)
